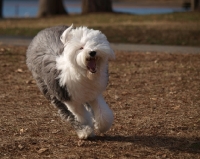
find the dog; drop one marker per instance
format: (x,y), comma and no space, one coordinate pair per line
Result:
(70,66)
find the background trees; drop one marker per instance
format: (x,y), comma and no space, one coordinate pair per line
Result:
(195,4)
(89,6)
(51,7)
(56,7)
(1,8)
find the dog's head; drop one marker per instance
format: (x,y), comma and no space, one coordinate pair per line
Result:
(86,49)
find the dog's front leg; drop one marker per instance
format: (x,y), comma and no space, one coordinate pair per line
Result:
(103,115)
(82,123)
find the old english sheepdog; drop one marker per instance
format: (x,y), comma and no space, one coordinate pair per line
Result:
(70,66)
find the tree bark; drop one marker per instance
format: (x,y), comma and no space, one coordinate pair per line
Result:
(89,6)
(195,5)
(51,7)
(1,8)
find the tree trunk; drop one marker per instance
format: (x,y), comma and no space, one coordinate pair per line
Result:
(195,5)
(1,8)
(51,7)
(89,6)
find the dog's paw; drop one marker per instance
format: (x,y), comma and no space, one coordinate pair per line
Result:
(104,121)
(103,127)
(85,133)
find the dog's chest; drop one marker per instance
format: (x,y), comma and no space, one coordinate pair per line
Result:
(83,90)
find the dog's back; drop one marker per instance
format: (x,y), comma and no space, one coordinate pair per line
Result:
(41,59)
(45,43)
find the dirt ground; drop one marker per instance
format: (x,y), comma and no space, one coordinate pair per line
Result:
(155,98)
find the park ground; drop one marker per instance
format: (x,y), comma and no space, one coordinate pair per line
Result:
(154,96)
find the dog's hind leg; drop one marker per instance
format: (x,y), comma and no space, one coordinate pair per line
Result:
(42,86)
(103,115)
(64,113)
(79,119)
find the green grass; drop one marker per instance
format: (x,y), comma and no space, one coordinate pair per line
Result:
(166,29)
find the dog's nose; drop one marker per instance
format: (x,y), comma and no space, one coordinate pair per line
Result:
(92,53)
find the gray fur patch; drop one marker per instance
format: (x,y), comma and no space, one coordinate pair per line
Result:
(41,61)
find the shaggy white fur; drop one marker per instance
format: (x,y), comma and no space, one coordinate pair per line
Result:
(81,70)
(78,43)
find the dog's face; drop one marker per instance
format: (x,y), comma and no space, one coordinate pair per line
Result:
(86,49)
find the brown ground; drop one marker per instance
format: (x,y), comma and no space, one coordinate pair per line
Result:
(155,98)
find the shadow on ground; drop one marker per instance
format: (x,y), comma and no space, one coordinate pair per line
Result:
(190,145)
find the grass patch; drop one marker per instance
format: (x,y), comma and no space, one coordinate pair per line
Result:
(165,29)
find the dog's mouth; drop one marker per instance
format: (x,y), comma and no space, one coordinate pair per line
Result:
(92,64)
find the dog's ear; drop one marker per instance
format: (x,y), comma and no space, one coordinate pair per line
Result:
(64,35)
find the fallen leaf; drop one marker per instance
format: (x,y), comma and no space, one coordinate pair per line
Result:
(21,131)
(42,150)
(20,146)
(176,107)
(153,98)
(80,142)
(116,97)
(125,93)
(30,81)
(19,70)
(2,49)
(55,131)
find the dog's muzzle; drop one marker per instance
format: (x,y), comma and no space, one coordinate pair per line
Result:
(92,62)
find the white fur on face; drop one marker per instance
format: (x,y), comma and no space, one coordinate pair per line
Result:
(72,63)
(80,41)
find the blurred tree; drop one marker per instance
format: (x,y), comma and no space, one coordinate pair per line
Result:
(51,7)
(1,8)
(195,5)
(89,6)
